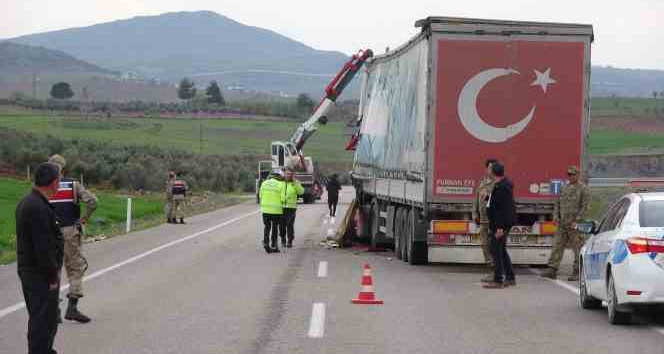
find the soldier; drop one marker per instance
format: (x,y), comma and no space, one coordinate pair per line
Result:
(176,193)
(66,203)
(480,216)
(272,198)
(571,207)
(292,190)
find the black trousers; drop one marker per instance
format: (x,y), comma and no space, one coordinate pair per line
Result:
(332,205)
(272,223)
(42,305)
(288,224)
(502,269)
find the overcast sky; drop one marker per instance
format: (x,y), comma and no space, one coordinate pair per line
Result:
(627,33)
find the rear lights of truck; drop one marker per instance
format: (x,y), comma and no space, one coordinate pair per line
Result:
(450,227)
(638,245)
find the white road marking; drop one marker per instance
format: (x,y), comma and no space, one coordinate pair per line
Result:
(333,220)
(575,290)
(325,222)
(322,269)
(330,232)
(8,310)
(317,324)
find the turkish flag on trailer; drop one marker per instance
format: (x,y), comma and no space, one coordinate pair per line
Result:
(520,102)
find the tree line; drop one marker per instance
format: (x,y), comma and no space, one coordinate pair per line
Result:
(132,167)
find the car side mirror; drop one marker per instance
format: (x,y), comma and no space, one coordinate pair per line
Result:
(587,227)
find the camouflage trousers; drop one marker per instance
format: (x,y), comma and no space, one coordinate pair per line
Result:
(485,243)
(75,263)
(565,238)
(173,210)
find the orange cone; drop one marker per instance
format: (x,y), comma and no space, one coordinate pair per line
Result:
(367,295)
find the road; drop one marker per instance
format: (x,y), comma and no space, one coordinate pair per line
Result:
(208,287)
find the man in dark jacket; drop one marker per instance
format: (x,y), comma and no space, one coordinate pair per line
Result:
(333,187)
(39,253)
(502,216)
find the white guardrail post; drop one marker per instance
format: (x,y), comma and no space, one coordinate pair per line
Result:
(128,215)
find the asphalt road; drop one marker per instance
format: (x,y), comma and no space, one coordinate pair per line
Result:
(208,287)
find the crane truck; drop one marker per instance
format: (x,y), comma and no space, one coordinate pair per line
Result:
(458,93)
(287,154)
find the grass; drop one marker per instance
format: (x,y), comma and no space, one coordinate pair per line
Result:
(109,218)
(209,136)
(608,142)
(602,106)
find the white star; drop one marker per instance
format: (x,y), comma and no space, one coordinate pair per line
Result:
(543,79)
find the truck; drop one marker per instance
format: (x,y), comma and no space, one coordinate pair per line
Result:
(435,109)
(289,154)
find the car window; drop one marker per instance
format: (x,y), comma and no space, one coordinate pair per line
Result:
(651,213)
(620,214)
(608,221)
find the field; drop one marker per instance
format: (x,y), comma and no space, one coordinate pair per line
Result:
(608,106)
(209,136)
(108,219)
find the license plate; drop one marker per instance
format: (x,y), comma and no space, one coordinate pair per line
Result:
(517,240)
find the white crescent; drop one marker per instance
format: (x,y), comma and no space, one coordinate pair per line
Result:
(470,118)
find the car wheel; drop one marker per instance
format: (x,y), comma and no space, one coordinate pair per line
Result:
(587,302)
(616,316)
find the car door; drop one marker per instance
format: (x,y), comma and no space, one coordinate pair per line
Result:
(594,262)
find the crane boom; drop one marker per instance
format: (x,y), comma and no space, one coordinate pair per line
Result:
(332,92)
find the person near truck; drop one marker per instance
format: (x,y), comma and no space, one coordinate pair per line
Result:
(502,216)
(571,208)
(480,216)
(333,187)
(39,257)
(293,190)
(272,199)
(176,193)
(67,205)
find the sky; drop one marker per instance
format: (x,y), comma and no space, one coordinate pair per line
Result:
(627,33)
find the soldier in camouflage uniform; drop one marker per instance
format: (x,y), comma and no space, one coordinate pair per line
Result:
(66,203)
(480,216)
(176,192)
(571,207)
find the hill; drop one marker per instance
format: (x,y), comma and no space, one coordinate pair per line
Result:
(610,81)
(202,44)
(19,59)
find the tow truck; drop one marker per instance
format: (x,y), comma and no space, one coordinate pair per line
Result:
(289,154)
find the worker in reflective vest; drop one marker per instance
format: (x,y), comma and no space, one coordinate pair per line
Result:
(66,203)
(176,193)
(272,198)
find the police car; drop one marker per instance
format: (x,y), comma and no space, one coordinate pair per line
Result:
(622,263)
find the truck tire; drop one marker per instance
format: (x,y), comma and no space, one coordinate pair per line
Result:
(375,222)
(417,250)
(398,233)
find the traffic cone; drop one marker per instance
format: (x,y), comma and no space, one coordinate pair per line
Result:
(367,295)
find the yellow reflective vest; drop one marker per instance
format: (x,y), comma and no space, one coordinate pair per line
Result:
(292,190)
(272,196)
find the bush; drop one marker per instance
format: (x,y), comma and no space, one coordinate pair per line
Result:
(128,167)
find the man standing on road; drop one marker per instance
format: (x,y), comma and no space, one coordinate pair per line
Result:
(502,216)
(292,190)
(39,254)
(272,198)
(66,203)
(176,193)
(571,207)
(481,218)
(333,187)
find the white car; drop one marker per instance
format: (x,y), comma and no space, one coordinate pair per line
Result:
(622,263)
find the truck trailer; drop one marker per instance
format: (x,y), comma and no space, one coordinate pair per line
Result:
(458,93)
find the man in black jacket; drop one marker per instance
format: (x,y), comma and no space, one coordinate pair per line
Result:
(502,216)
(333,187)
(39,253)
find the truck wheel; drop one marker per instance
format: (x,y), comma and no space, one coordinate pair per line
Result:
(417,250)
(398,233)
(375,217)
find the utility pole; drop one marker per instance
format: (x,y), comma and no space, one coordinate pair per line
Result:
(35,80)
(200,138)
